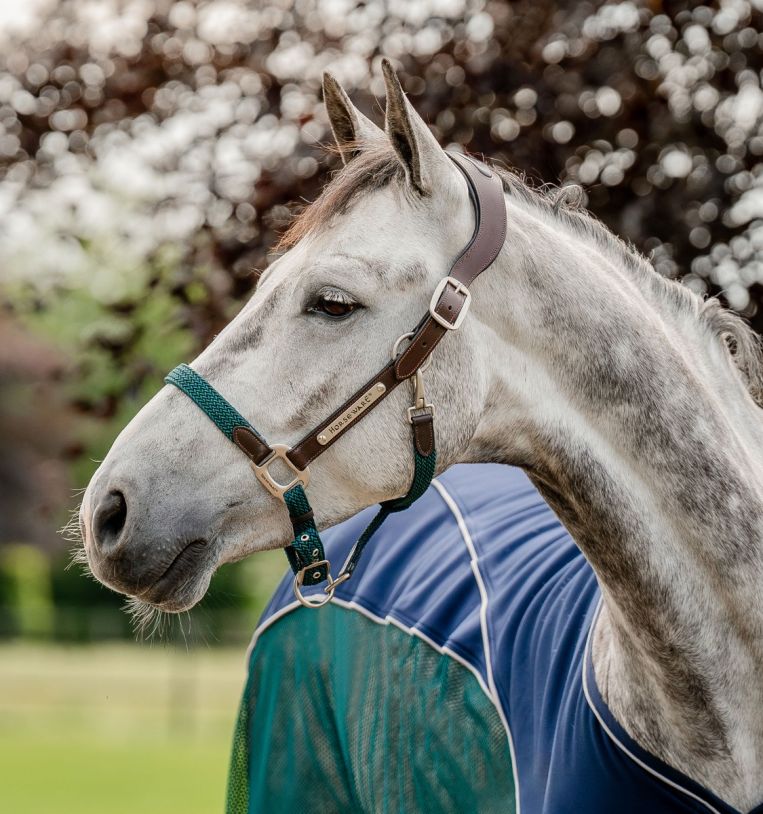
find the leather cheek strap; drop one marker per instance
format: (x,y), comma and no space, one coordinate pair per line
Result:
(309,448)
(486,193)
(428,334)
(486,189)
(251,445)
(423,432)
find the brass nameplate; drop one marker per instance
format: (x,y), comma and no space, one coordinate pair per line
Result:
(355,410)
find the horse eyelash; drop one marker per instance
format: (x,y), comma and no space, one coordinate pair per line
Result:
(332,294)
(335,295)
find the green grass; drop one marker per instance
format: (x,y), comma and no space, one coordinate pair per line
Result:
(116,728)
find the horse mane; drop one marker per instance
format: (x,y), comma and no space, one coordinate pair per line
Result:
(376,166)
(565,205)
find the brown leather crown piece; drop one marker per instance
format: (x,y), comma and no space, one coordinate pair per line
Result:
(450,303)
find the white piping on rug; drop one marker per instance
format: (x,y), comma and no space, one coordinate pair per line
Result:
(621,746)
(389,619)
(474,561)
(260,629)
(489,689)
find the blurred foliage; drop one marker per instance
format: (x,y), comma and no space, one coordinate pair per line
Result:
(25,582)
(150,151)
(119,344)
(138,125)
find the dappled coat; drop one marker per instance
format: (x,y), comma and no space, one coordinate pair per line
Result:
(452,673)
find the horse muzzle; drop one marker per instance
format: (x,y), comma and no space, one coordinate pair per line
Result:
(162,561)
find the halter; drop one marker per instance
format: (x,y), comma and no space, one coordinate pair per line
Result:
(447,309)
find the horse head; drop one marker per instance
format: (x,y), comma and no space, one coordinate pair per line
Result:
(173,499)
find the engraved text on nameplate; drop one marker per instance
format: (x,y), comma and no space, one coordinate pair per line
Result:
(355,410)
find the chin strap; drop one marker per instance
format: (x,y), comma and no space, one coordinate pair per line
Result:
(306,553)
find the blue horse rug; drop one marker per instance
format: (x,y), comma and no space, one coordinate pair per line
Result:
(452,673)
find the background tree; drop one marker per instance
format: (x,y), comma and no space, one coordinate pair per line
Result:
(149,152)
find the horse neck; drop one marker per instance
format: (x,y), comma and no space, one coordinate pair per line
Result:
(628,415)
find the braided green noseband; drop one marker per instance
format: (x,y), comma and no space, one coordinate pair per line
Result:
(305,553)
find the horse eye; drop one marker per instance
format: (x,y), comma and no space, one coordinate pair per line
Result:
(334,304)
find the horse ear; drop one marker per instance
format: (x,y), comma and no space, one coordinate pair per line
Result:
(416,147)
(350,127)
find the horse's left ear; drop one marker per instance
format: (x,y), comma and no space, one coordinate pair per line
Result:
(421,156)
(352,130)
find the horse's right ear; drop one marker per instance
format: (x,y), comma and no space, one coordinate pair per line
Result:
(423,160)
(350,127)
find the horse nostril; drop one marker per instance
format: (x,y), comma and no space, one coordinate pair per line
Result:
(109,520)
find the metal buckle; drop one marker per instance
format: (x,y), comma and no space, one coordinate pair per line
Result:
(315,601)
(269,482)
(459,288)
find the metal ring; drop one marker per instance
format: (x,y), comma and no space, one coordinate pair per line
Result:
(301,476)
(401,339)
(314,601)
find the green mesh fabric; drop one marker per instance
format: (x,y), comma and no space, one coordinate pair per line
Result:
(224,415)
(341,714)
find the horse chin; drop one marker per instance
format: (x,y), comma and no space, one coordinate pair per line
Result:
(151,618)
(180,590)
(177,604)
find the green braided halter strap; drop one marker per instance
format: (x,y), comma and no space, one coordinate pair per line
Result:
(305,553)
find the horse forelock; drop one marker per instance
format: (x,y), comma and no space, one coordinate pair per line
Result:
(375,167)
